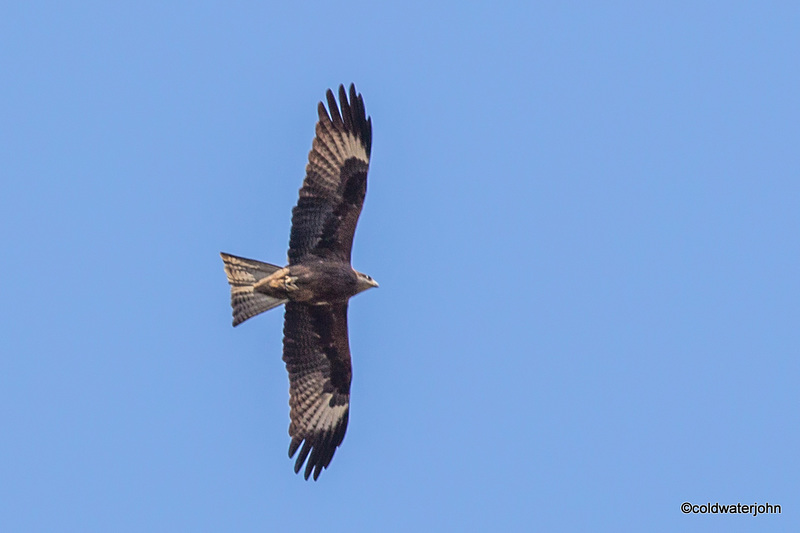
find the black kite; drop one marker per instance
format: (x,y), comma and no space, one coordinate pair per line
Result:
(318,281)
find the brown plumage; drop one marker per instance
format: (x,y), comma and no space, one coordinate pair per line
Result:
(318,281)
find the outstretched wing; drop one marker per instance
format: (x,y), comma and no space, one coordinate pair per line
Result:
(324,219)
(317,355)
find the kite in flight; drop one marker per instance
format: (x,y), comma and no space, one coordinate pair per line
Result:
(318,281)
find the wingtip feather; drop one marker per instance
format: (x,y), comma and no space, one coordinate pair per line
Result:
(336,118)
(323,113)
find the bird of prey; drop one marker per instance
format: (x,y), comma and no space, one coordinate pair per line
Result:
(318,281)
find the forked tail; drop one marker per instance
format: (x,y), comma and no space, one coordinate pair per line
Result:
(243,274)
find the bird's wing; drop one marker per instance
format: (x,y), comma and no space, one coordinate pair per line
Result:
(317,355)
(324,219)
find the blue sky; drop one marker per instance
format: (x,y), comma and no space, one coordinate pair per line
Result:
(584,220)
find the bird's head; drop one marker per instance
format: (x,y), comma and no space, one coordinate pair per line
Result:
(365,282)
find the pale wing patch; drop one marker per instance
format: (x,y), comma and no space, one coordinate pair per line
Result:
(329,151)
(352,147)
(321,417)
(312,412)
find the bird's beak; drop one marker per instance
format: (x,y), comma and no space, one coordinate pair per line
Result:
(375,284)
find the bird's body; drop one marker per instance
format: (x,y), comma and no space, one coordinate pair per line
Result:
(318,281)
(314,283)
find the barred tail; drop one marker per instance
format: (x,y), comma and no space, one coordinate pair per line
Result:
(243,274)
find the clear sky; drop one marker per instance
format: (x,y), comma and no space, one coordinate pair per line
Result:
(585,221)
